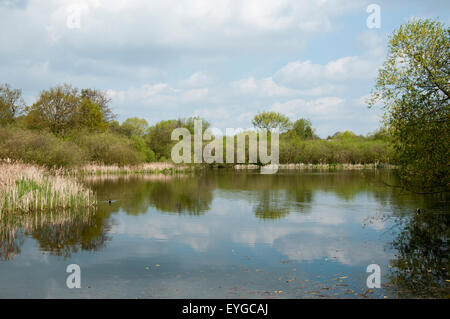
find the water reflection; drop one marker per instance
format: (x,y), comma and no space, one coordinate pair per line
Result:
(171,194)
(59,234)
(274,195)
(422,259)
(240,226)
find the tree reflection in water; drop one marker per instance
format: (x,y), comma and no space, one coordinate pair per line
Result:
(421,266)
(272,196)
(60,234)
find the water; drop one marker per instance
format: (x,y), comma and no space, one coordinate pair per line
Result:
(226,234)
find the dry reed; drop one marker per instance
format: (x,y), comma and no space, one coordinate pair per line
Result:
(147,168)
(29,188)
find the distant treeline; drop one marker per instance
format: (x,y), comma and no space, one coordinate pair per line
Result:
(68,127)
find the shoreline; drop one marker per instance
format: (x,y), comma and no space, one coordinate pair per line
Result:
(302,166)
(167,168)
(154,168)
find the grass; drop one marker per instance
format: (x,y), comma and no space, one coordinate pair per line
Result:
(28,188)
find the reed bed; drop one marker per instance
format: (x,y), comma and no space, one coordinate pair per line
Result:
(29,188)
(131,177)
(142,169)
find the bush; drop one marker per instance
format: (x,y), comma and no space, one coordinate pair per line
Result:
(41,148)
(44,148)
(108,148)
(344,148)
(140,146)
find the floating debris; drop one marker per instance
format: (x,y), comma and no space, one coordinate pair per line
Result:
(291,280)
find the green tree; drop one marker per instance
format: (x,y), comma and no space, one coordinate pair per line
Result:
(272,120)
(189,123)
(63,108)
(135,126)
(303,129)
(102,99)
(89,115)
(413,86)
(11,103)
(54,109)
(346,135)
(140,146)
(159,138)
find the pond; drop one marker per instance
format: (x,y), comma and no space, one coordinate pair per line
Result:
(229,234)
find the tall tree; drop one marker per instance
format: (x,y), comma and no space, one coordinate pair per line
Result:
(272,120)
(102,99)
(11,103)
(135,126)
(303,129)
(413,86)
(88,115)
(54,109)
(63,108)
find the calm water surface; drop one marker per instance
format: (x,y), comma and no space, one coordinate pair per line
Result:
(226,234)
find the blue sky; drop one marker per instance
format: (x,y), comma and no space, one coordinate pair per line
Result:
(221,60)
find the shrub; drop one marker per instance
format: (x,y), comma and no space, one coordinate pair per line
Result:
(38,147)
(345,148)
(108,148)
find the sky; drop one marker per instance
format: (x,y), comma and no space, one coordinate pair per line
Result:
(224,61)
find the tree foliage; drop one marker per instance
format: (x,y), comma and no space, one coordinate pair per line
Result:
(159,135)
(135,126)
(102,100)
(64,108)
(303,129)
(55,109)
(11,103)
(413,86)
(272,120)
(66,127)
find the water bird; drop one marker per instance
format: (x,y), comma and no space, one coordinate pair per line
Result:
(420,211)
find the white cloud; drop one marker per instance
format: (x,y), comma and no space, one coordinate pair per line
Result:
(308,74)
(198,79)
(195,95)
(226,59)
(334,73)
(299,107)
(263,88)
(216,114)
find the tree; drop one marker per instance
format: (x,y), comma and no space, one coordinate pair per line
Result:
(272,120)
(303,129)
(11,103)
(63,108)
(159,138)
(189,123)
(88,115)
(55,109)
(346,135)
(102,99)
(135,126)
(413,87)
